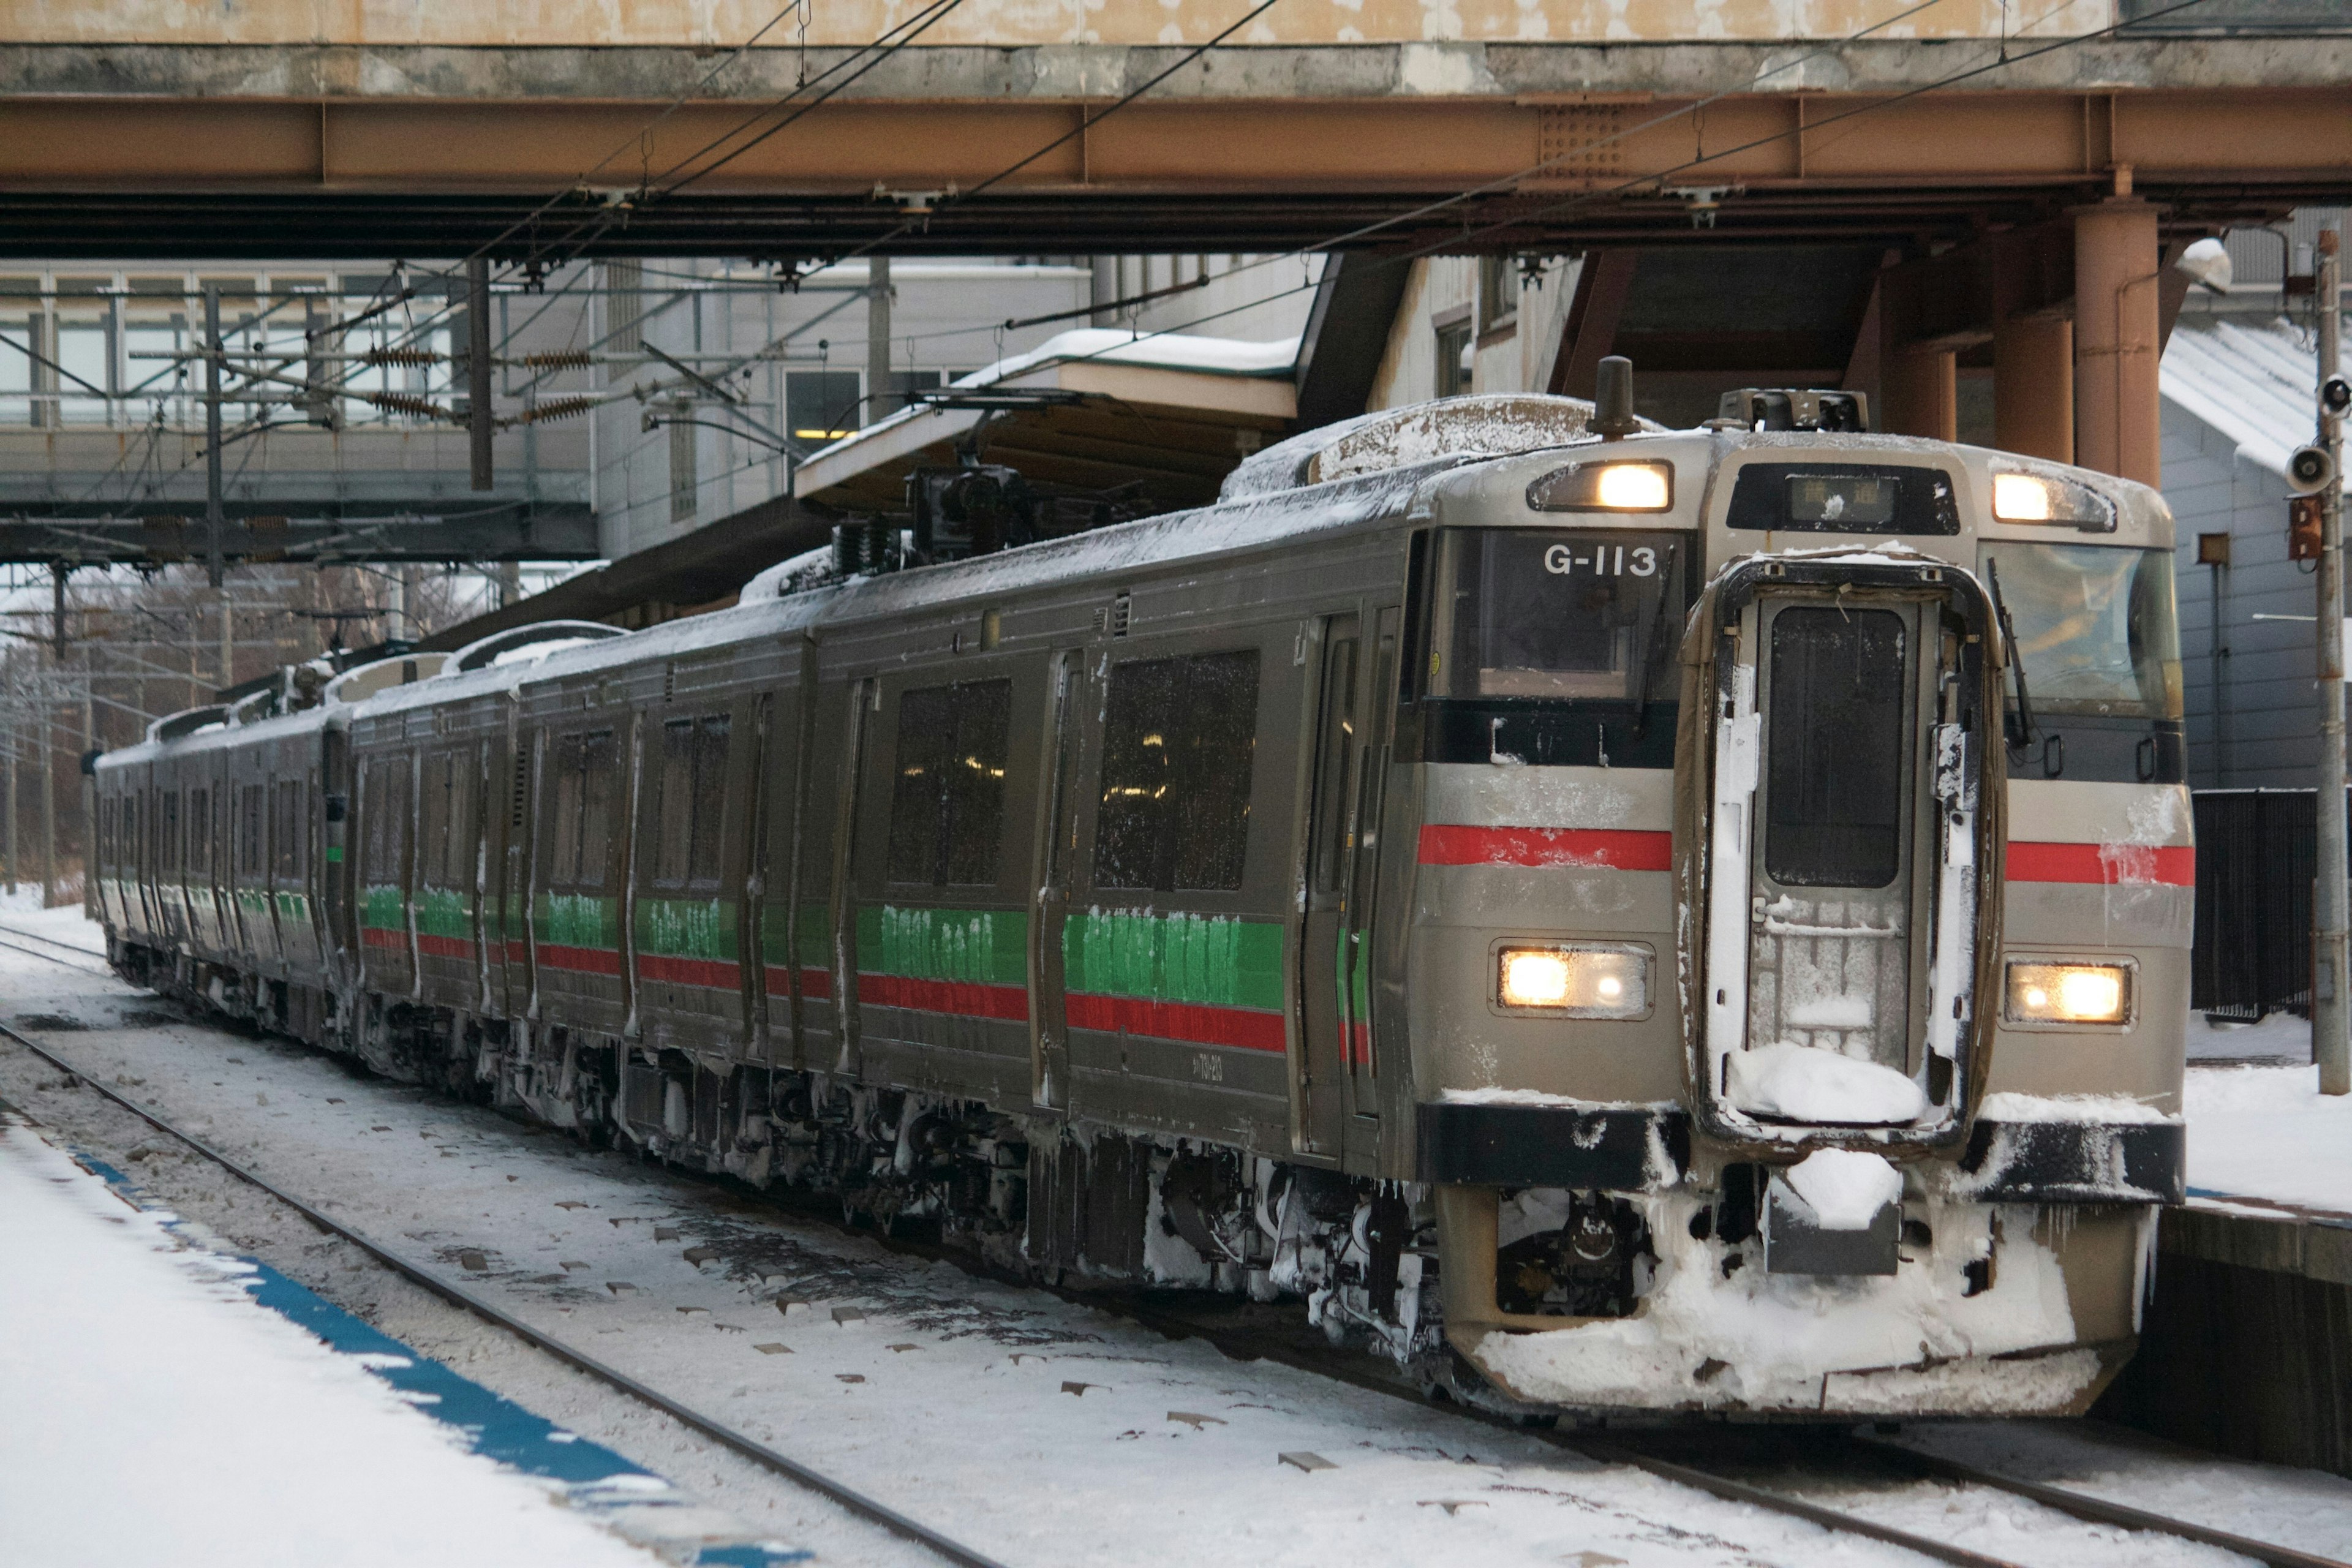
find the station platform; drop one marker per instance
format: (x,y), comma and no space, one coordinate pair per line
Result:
(164,1401)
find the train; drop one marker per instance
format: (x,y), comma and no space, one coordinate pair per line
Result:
(1618,920)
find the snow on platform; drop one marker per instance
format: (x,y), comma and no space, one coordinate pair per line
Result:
(2267,1133)
(153,1409)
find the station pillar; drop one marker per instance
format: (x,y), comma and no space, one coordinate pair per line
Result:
(1918,391)
(2117,330)
(2033,386)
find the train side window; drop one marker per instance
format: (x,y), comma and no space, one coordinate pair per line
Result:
(600,777)
(170,858)
(947,803)
(1179,738)
(438,826)
(565,867)
(200,830)
(457,863)
(711,736)
(399,822)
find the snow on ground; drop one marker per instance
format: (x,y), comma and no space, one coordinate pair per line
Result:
(149,1411)
(1040,1431)
(2279,1036)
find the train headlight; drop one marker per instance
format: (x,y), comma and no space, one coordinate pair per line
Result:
(1574,982)
(1605,487)
(2040,498)
(2069,994)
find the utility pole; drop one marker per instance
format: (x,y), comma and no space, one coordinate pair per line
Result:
(214,351)
(16,871)
(2330,1044)
(46,763)
(228,646)
(479,427)
(879,402)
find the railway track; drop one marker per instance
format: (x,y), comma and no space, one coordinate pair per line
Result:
(53,949)
(1662,1455)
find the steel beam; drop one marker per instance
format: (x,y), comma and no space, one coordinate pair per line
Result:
(514,531)
(340,175)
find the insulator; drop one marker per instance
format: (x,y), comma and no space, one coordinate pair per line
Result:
(401,402)
(568,359)
(555,408)
(400,357)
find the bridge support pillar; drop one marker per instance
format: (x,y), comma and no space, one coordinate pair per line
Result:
(2033,386)
(2118,336)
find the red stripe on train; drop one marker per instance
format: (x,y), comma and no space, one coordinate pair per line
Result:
(383,936)
(1612,849)
(444,946)
(2125,865)
(1201,1025)
(718,973)
(816,985)
(967,998)
(580,959)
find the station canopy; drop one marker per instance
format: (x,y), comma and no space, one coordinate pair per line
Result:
(1091,410)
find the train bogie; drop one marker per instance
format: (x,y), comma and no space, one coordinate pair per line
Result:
(1692,922)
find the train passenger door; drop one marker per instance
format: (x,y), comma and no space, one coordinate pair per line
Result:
(1049,1033)
(1327,1034)
(1376,705)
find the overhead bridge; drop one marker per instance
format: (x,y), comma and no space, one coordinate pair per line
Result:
(152,129)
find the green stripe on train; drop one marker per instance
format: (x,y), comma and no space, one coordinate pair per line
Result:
(384,908)
(577,919)
(444,911)
(1214,959)
(987,946)
(687,928)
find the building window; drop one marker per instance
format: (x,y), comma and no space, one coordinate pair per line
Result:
(625,306)
(820,408)
(1498,293)
(1454,350)
(682,481)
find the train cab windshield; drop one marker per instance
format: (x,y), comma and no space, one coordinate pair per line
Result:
(2096,630)
(1556,613)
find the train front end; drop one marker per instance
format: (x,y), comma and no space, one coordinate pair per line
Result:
(1798,957)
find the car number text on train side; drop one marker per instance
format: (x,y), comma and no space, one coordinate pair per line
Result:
(1606,561)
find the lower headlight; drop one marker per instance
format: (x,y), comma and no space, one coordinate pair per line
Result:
(1574,982)
(2069,994)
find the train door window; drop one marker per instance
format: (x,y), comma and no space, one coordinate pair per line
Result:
(376,858)
(1179,736)
(1331,821)
(710,798)
(947,805)
(1834,784)
(600,779)
(200,832)
(565,770)
(673,803)
(249,861)
(457,863)
(402,821)
(285,832)
(169,857)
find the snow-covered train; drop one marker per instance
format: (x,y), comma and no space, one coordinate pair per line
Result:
(1616,919)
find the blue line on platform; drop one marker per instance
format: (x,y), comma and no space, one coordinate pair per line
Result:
(594,1478)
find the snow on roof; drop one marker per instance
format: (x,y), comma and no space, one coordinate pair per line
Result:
(1275,359)
(1161,350)
(2251,383)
